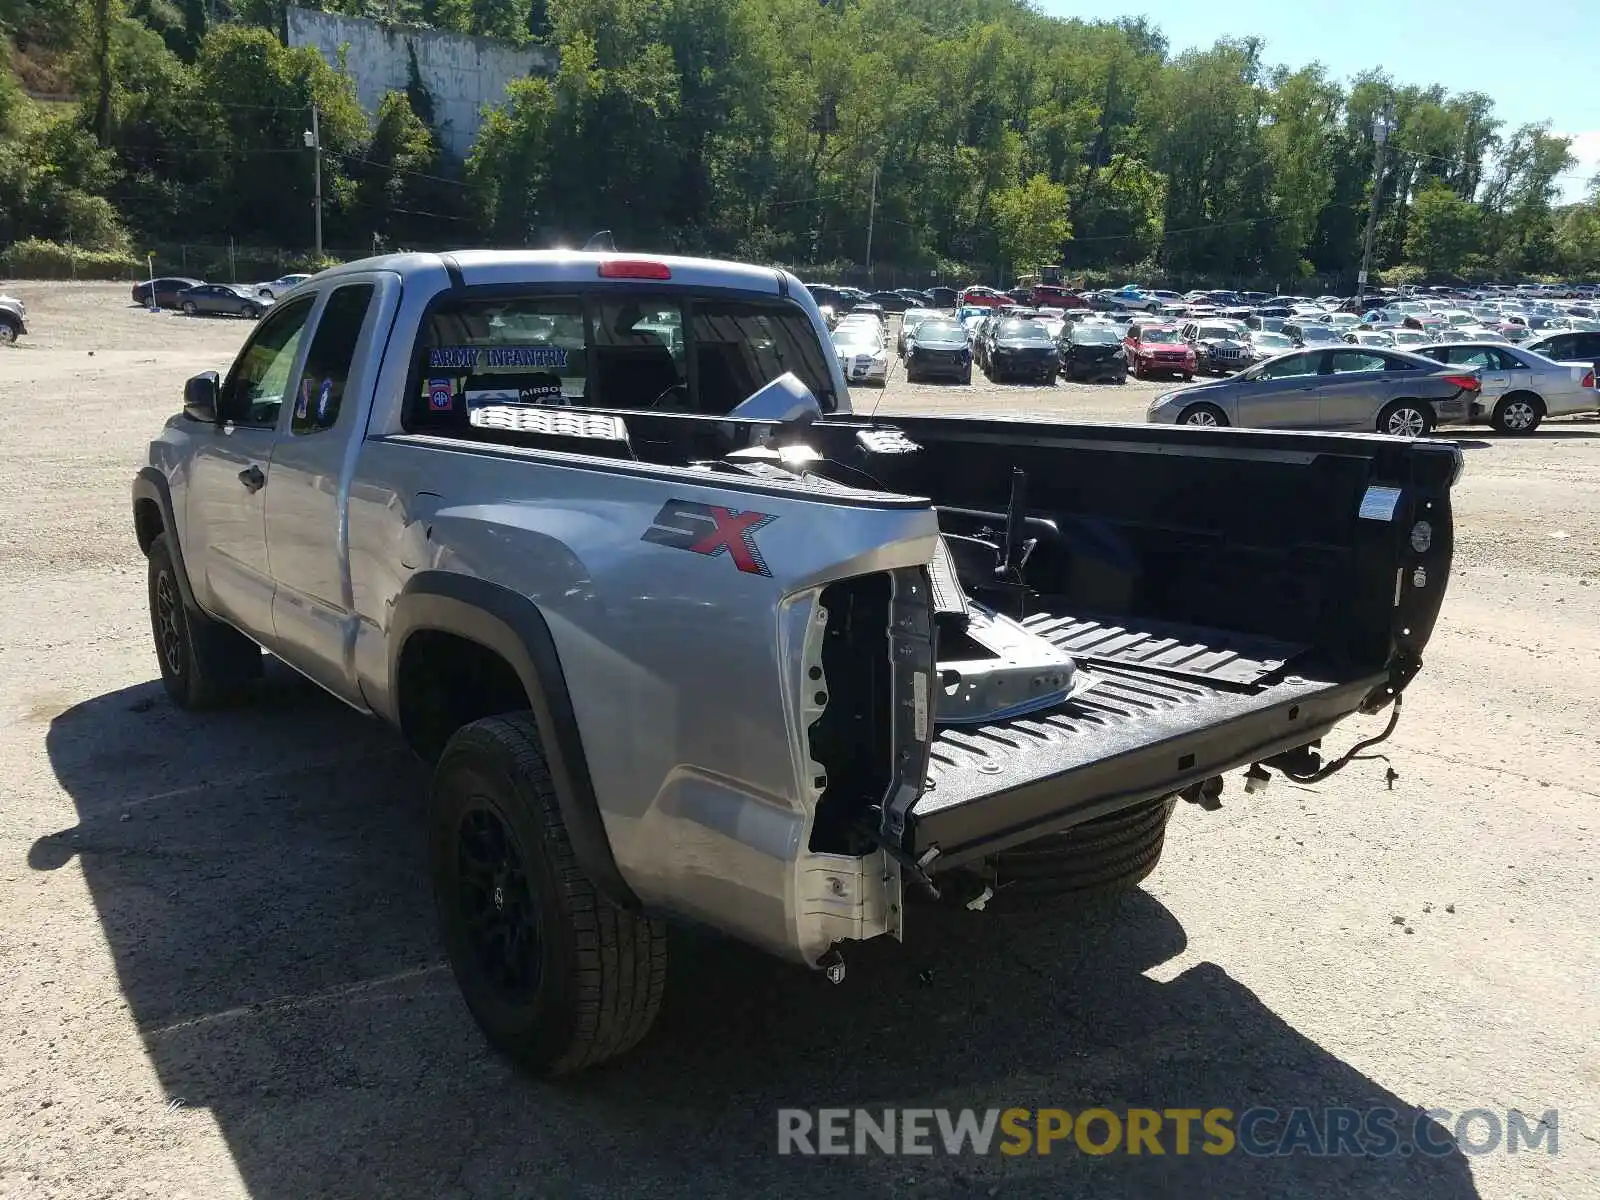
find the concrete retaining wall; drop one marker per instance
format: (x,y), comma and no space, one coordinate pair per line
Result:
(463,73)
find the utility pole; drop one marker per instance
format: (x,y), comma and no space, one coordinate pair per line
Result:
(1381,125)
(872,211)
(314,141)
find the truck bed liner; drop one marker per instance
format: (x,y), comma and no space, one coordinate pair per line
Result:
(1151,724)
(1208,654)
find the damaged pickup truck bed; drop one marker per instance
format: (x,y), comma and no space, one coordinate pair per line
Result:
(684,637)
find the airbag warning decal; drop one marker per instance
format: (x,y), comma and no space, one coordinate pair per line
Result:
(480,358)
(711,530)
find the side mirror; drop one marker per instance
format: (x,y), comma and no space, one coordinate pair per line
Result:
(200,397)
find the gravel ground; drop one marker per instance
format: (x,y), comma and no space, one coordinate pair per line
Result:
(218,975)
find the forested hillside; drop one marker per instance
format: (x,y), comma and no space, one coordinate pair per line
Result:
(999,138)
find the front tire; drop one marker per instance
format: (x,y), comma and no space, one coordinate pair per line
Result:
(204,663)
(1518,414)
(966,377)
(189,308)
(1405,418)
(557,977)
(251,312)
(8,332)
(1207,415)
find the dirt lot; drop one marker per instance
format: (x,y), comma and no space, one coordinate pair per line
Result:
(218,975)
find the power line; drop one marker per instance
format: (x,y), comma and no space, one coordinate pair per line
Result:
(402,170)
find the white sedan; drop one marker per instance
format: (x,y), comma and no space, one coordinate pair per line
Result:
(280,285)
(863,354)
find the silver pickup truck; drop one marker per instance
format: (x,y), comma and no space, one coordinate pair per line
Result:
(682,636)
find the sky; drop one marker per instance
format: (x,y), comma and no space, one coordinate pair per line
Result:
(1538,61)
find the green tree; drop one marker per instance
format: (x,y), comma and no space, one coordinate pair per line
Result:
(1444,229)
(1031,222)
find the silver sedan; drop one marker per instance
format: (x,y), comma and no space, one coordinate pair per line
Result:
(1345,387)
(1520,388)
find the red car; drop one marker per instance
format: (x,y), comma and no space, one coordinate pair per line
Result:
(1158,350)
(1048,294)
(982,297)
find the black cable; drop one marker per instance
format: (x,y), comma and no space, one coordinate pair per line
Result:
(1349,755)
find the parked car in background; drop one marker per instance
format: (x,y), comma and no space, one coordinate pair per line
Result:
(1370,337)
(219,300)
(166,290)
(1568,346)
(1520,388)
(909,321)
(274,289)
(1347,387)
(828,296)
(943,297)
(1019,348)
(1091,352)
(1220,347)
(914,297)
(1408,339)
(1157,349)
(1265,321)
(1268,344)
(863,354)
(867,308)
(1309,333)
(937,349)
(1055,296)
(13,319)
(889,302)
(982,297)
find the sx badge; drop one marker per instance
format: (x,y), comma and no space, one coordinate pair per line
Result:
(711,530)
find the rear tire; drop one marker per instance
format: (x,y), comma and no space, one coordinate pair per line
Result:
(251,312)
(1405,418)
(204,663)
(1089,864)
(1207,415)
(557,977)
(1518,414)
(8,332)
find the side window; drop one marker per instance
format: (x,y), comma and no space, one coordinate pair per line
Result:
(1473,356)
(1504,360)
(1563,346)
(511,350)
(333,348)
(259,380)
(1584,345)
(1290,366)
(1349,362)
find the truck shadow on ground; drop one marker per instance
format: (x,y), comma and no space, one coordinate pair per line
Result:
(260,878)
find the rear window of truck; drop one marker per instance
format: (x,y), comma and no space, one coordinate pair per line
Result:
(652,351)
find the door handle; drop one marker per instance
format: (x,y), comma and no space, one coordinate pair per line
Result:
(253,479)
